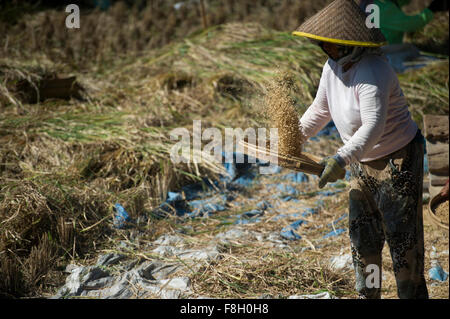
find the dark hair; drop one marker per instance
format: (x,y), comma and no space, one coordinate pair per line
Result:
(343,50)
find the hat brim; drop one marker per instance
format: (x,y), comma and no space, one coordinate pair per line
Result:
(341,22)
(339,41)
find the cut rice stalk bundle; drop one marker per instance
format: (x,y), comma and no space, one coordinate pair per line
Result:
(305,162)
(280,109)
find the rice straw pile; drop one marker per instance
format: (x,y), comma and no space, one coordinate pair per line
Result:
(280,109)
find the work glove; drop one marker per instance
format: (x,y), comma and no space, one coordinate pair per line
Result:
(438,5)
(334,170)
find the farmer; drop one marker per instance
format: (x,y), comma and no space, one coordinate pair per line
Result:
(383,147)
(394,23)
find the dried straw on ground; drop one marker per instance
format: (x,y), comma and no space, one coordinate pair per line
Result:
(281,111)
(64,163)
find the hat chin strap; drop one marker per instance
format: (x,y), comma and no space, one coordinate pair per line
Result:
(350,54)
(354,56)
(343,52)
(357,54)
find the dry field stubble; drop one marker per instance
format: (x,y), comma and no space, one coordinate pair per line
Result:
(64,163)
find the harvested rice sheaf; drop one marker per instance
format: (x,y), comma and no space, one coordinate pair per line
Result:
(280,109)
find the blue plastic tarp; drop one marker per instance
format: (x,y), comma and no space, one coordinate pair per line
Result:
(329,130)
(348,175)
(333,233)
(173,196)
(296,177)
(181,203)
(288,232)
(243,221)
(287,189)
(263,205)
(240,168)
(244,180)
(437,273)
(290,199)
(208,206)
(425,165)
(309,212)
(199,189)
(338,220)
(273,169)
(329,193)
(285,216)
(249,217)
(176,207)
(121,217)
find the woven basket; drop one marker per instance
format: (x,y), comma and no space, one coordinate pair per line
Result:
(432,205)
(306,163)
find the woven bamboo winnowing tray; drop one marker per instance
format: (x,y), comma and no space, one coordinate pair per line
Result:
(432,205)
(306,163)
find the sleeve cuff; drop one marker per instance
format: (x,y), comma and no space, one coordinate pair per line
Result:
(304,137)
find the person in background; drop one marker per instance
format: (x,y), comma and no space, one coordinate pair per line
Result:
(383,148)
(394,23)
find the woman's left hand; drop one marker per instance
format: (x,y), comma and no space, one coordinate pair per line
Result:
(332,171)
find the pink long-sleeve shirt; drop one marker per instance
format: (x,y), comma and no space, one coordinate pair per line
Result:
(367,106)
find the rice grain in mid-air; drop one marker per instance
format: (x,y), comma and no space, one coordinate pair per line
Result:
(280,109)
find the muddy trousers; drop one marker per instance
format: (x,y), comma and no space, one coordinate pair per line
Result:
(385,204)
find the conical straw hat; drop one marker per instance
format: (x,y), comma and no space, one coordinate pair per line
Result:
(341,22)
